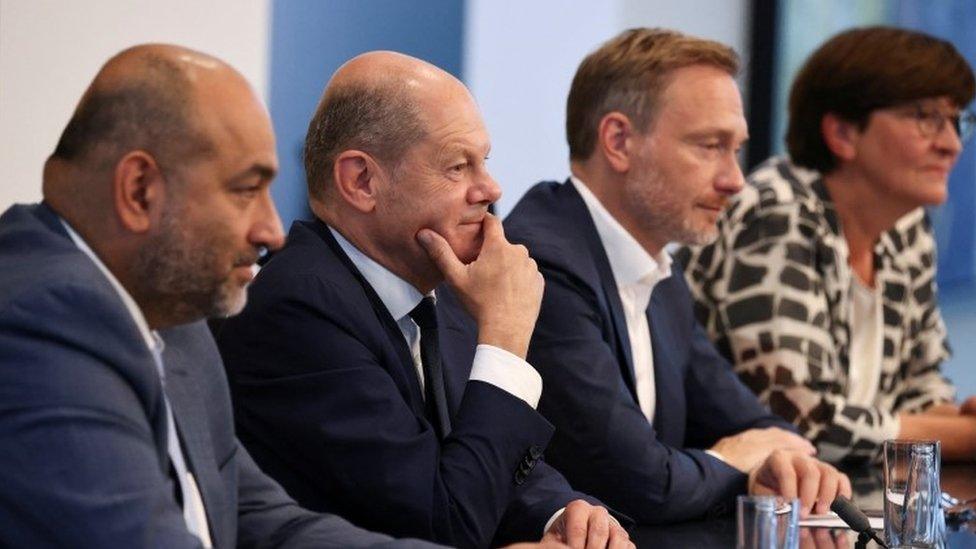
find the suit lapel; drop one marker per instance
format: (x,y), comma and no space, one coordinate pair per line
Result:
(579,216)
(396,345)
(190,415)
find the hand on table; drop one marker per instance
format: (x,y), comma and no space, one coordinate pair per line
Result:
(746,450)
(585,526)
(794,475)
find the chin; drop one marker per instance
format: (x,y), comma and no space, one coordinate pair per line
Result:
(230,301)
(469,252)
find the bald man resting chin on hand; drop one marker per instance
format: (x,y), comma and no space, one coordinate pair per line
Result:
(361,381)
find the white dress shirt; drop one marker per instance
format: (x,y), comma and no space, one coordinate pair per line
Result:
(194,513)
(636,273)
(867,340)
(491,364)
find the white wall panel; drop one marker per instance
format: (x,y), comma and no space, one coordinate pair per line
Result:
(51,49)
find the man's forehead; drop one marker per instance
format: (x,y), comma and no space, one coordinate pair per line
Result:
(702,96)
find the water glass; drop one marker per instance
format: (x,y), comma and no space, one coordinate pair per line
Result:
(913,515)
(767,522)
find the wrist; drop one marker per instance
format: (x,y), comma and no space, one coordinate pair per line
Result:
(513,341)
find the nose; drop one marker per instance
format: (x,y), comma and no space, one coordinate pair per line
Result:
(485,190)
(266,229)
(730,180)
(948,140)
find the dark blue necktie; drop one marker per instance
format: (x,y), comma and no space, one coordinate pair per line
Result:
(425,316)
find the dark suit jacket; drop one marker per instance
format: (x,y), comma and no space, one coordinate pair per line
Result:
(604,443)
(82,421)
(327,400)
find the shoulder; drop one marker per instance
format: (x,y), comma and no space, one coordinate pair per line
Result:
(552,221)
(776,186)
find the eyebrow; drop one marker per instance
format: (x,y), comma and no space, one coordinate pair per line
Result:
(722,133)
(261,170)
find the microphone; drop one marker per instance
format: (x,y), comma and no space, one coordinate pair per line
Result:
(854,518)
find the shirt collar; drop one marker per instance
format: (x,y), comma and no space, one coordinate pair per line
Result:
(151,337)
(629,261)
(398,295)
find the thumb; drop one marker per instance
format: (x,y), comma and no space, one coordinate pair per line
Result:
(440,252)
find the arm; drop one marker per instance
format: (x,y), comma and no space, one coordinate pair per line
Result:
(269,518)
(78,443)
(768,309)
(604,444)
(311,389)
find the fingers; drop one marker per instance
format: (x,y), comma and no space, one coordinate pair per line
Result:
(808,475)
(598,528)
(575,522)
(830,483)
(845,486)
(777,474)
(619,538)
(440,252)
(492,228)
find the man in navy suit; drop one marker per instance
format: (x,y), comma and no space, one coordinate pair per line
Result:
(360,388)
(648,416)
(114,410)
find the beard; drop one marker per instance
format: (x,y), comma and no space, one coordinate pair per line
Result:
(186,272)
(661,209)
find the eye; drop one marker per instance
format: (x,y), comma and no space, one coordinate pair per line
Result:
(248,192)
(458,168)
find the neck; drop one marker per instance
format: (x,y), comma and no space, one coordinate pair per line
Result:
(418,271)
(608,187)
(862,226)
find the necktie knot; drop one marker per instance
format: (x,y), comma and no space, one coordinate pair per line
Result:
(425,314)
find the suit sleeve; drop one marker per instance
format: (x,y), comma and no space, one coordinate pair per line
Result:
(927,345)
(267,517)
(311,391)
(77,445)
(719,404)
(605,444)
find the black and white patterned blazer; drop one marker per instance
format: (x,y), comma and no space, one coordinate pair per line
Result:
(773,292)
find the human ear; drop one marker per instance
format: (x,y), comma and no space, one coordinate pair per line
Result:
(614,135)
(356,175)
(138,191)
(840,136)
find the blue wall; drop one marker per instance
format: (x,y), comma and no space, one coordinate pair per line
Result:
(310,39)
(955,225)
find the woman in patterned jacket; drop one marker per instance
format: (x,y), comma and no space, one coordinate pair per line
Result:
(820,287)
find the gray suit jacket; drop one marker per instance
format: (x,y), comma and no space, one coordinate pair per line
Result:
(82,422)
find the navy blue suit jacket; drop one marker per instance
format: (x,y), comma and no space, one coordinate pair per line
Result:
(82,422)
(604,444)
(328,401)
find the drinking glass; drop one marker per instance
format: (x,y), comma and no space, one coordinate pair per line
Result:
(767,522)
(913,514)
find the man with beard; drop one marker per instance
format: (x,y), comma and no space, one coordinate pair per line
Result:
(114,410)
(648,416)
(358,386)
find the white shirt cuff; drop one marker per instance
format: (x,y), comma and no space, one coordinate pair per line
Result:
(507,372)
(555,516)
(716,455)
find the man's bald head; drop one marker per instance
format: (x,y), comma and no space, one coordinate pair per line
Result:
(374,103)
(164,171)
(143,98)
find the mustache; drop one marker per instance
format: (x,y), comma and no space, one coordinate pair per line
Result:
(250,257)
